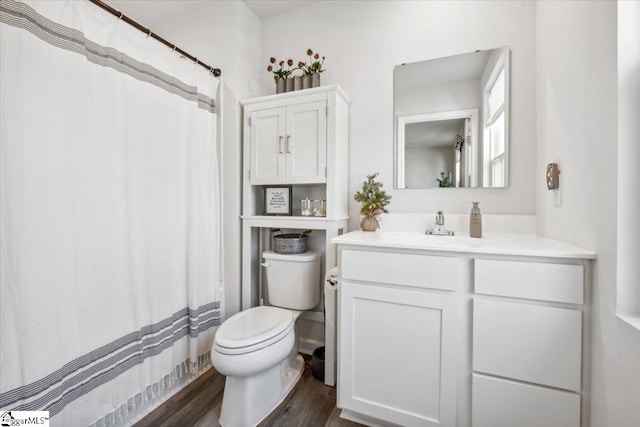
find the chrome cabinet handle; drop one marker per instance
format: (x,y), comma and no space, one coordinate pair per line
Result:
(288,139)
(280,145)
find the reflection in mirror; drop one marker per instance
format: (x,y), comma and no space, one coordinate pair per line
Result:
(438,149)
(451,118)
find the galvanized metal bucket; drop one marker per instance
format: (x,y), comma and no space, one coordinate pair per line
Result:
(290,243)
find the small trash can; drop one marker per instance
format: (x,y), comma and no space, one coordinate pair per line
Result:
(317,364)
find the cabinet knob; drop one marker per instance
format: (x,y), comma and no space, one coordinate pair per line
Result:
(288,146)
(280,145)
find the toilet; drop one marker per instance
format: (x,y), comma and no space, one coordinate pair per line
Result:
(257,348)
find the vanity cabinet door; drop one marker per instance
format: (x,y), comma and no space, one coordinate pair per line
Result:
(525,342)
(397,355)
(268,160)
(498,402)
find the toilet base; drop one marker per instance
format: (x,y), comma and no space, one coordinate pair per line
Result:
(247,401)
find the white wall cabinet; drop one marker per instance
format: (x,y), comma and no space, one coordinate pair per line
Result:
(288,144)
(300,139)
(457,338)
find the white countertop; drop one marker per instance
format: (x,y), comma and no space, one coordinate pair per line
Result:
(491,243)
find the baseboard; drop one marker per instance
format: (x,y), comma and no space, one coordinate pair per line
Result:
(362,419)
(307,345)
(316,316)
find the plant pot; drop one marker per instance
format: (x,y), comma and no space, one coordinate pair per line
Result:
(297,83)
(288,85)
(315,80)
(306,81)
(369,223)
(280,86)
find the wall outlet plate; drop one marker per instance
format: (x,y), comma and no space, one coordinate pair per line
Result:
(553,179)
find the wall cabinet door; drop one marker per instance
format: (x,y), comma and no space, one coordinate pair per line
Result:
(289,144)
(268,161)
(397,355)
(306,143)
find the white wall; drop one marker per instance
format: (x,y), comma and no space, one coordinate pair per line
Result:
(224,34)
(628,158)
(577,128)
(363,41)
(423,165)
(447,96)
(244,85)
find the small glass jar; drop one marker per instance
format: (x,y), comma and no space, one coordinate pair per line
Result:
(305,207)
(320,207)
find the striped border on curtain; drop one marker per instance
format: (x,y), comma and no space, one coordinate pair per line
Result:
(20,15)
(100,366)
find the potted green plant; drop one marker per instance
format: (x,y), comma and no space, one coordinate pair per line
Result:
(373,200)
(444,180)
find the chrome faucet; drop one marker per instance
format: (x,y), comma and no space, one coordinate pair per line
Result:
(438,229)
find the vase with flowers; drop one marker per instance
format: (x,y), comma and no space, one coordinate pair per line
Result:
(311,70)
(281,74)
(373,200)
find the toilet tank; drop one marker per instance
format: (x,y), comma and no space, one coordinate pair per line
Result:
(293,281)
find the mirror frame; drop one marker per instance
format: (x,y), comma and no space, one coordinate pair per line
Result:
(398,156)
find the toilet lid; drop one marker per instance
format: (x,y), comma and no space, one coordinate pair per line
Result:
(249,328)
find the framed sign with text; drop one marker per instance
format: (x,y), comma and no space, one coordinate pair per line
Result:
(277,200)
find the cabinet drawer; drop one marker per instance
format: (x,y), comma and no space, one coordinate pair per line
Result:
(423,271)
(502,403)
(532,280)
(541,345)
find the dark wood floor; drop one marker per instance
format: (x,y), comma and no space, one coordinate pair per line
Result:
(310,403)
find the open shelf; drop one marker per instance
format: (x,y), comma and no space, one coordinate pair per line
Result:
(312,222)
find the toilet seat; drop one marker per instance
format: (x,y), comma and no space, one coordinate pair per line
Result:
(253,329)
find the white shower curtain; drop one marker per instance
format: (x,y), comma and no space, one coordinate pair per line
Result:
(109,214)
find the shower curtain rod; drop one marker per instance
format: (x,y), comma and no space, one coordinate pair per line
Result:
(216,71)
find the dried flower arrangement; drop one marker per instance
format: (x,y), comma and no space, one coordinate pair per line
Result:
(280,72)
(315,64)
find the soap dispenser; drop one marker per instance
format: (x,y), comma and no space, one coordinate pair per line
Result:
(475,221)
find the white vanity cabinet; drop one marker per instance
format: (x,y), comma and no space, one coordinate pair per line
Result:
(398,336)
(463,332)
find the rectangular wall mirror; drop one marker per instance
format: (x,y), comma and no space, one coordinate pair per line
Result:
(451,121)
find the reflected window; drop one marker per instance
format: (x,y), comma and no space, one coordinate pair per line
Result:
(495,129)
